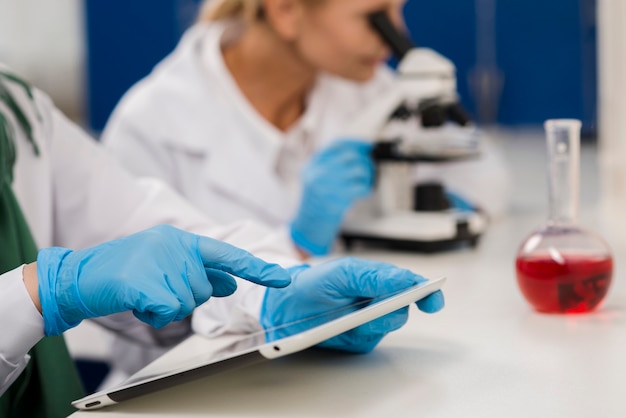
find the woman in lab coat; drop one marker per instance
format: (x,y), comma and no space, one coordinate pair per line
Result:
(245,120)
(58,188)
(233,118)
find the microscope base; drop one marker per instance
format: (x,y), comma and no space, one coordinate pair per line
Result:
(408,245)
(426,232)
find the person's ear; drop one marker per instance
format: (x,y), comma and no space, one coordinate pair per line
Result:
(284,16)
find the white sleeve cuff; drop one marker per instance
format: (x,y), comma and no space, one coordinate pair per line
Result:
(238,313)
(10,372)
(21,325)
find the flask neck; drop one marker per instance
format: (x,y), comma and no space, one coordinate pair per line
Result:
(563,139)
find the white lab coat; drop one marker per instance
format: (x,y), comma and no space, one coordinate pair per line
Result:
(75,195)
(188,124)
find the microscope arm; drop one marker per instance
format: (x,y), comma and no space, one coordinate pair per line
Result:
(423,74)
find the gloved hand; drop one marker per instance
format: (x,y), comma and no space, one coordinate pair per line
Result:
(332,181)
(161,274)
(336,284)
(459,202)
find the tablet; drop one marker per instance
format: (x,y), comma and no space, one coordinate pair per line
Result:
(257,347)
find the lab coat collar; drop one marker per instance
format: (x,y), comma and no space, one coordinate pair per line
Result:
(219,34)
(199,53)
(268,138)
(239,164)
(255,154)
(262,150)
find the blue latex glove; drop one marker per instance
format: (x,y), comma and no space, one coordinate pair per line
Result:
(161,274)
(459,202)
(336,284)
(332,181)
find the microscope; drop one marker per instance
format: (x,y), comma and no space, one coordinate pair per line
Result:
(419,119)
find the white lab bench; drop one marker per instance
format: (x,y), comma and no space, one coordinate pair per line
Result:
(487,354)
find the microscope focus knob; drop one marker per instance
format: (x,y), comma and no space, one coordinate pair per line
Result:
(430,197)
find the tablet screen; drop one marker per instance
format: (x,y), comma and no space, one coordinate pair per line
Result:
(235,351)
(238,345)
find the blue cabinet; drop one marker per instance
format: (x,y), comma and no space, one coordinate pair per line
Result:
(544,52)
(125,39)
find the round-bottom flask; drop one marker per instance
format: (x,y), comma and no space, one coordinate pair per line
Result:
(561,267)
(564,270)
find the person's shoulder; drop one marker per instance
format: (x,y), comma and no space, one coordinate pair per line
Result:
(175,103)
(24,106)
(181,71)
(174,75)
(19,95)
(173,89)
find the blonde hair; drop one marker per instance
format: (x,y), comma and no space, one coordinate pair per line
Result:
(247,10)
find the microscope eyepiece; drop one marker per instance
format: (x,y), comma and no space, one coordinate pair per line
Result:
(399,43)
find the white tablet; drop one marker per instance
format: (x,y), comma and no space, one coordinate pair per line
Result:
(254,348)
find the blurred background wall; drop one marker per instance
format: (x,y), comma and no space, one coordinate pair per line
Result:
(519,62)
(612,101)
(44,41)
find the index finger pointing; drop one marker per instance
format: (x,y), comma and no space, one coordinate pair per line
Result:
(230,259)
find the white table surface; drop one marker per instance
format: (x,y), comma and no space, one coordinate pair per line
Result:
(487,354)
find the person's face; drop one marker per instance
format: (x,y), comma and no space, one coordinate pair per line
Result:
(335,35)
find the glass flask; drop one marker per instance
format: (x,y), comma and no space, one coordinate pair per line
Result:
(561,267)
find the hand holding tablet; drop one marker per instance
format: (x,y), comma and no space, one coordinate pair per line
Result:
(346,304)
(335,285)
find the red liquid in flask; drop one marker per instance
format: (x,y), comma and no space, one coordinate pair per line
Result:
(574,284)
